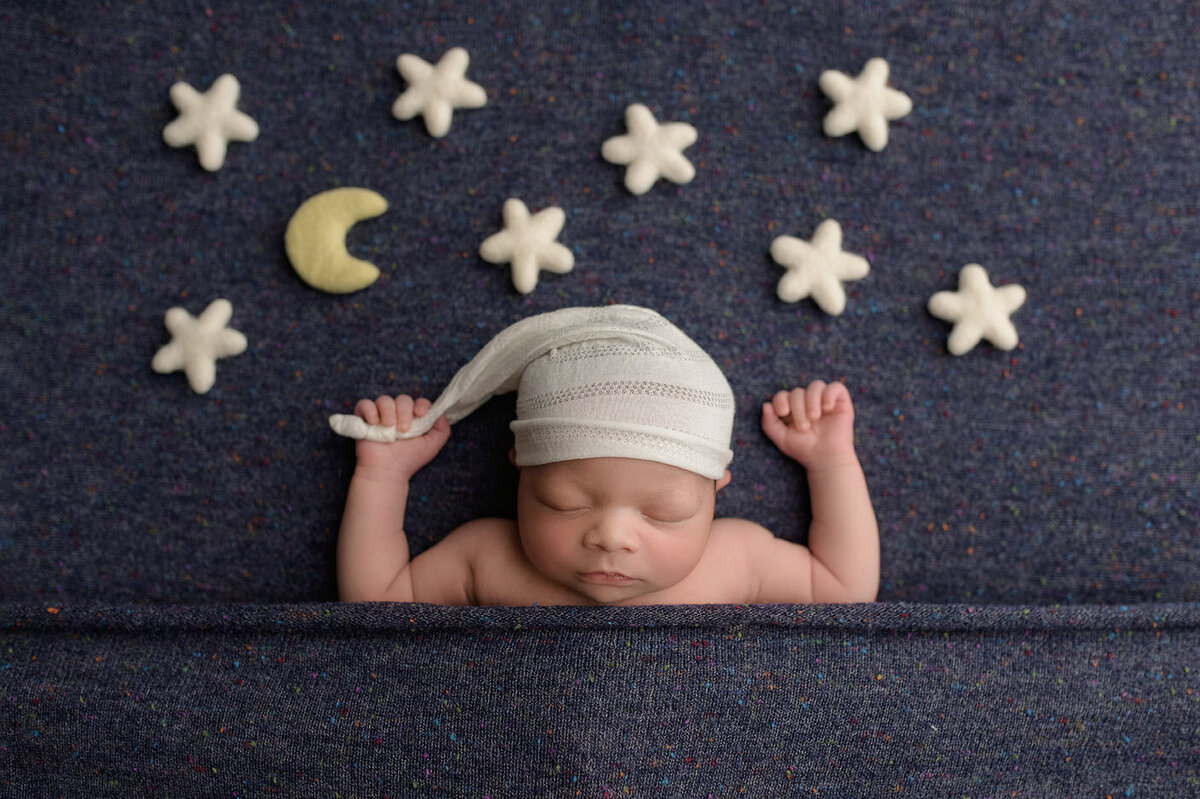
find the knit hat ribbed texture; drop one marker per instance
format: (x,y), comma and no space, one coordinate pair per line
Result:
(618,381)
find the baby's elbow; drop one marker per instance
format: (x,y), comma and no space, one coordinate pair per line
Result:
(847,593)
(860,585)
(400,589)
(864,594)
(374,596)
(859,591)
(358,594)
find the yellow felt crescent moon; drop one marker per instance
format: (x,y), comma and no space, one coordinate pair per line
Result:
(315,239)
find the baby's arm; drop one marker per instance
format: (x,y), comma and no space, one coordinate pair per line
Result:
(815,427)
(372,558)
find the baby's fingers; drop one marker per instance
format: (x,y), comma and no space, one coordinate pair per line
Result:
(812,399)
(835,394)
(367,411)
(781,406)
(387,411)
(404,412)
(775,427)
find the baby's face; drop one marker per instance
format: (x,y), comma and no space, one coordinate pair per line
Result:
(613,529)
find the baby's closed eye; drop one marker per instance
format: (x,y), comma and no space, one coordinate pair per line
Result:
(562,504)
(670,513)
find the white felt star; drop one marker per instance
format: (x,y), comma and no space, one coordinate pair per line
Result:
(529,244)
(816,268)
(435,91)
(978,310)
(651,150)
(210,120)
(864,103)
(197,343)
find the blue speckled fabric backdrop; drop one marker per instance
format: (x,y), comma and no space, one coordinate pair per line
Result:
(167,559)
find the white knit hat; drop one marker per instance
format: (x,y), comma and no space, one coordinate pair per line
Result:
(618,381)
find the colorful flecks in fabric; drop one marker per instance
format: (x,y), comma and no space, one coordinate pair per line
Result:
(719,701)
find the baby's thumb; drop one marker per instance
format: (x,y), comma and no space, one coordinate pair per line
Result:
(440,432)
(431,443)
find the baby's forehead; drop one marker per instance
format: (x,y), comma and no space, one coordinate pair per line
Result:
(618,476)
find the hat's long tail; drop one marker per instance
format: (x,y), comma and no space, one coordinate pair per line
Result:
(497,368)
(352,426)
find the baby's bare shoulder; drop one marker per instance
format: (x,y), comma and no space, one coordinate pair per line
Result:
(727,573)
(484,528)
(738,525)
(448,572)
(483,539)
(778,570)
(739,533)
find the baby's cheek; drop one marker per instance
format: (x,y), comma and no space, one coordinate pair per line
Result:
(679,556)
(545,548)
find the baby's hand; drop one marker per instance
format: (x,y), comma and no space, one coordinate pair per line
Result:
(404,457)
(813,425)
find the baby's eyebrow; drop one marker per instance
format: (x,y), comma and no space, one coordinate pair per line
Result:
(558,493)
(670,514)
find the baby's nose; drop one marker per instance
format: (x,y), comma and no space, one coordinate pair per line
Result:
(612,531)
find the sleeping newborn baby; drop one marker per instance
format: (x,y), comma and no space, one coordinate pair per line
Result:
(622,439)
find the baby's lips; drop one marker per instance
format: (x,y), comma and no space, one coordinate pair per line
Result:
(606,578)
